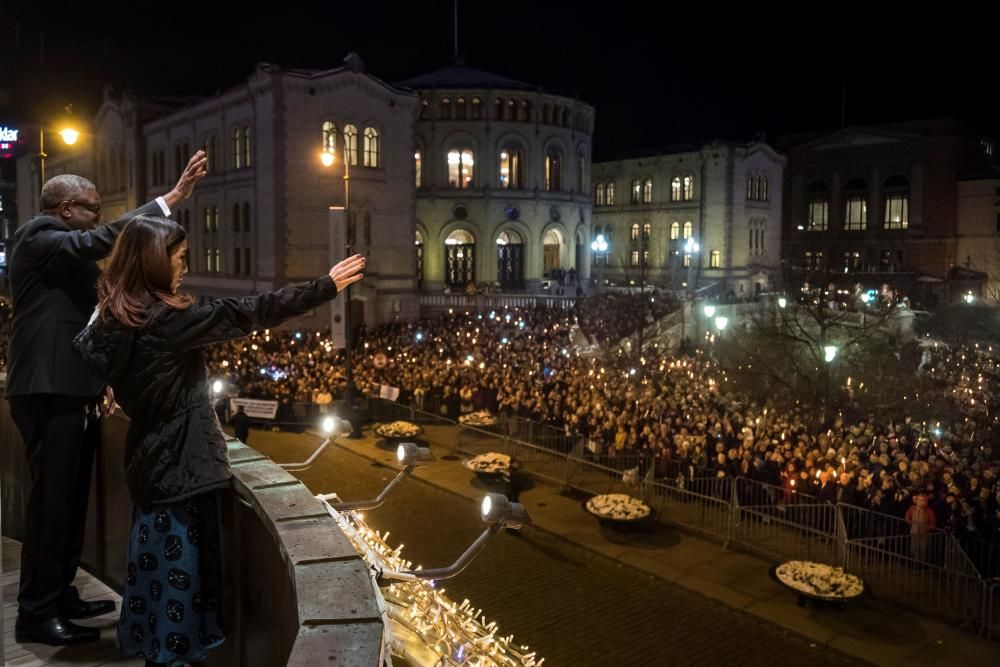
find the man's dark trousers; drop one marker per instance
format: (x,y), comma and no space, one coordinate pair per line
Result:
(61,435)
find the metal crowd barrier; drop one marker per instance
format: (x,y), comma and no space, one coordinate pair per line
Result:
(929,570)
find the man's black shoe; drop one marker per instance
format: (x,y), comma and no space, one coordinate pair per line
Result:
(86,609)
(54,632)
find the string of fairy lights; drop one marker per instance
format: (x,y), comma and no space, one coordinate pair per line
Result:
(424,626)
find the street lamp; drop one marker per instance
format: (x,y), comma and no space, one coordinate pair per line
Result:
(709,311)
(968,297)
(721,322)
(600,247)
(782,302)
(69,136)
(328,158)
(829,353)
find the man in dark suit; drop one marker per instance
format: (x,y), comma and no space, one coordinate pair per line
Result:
(54,398)
(241,425)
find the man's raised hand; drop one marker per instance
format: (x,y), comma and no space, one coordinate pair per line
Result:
(351,270)
(193,172)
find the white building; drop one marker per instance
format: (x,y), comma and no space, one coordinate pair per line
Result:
(725,196)
(503,181)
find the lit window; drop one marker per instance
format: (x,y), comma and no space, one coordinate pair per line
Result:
(599,199)
(445,108)
(477,108)
(636,191)
(763,188)
(688,229)
(247,152)
(897,203)
(634,259)
(675,231)
(512,167)
(715,259)
(237,148)
(647,230)
(416,168)
(460,168)
(688,188)
(855,206)
(647,191)
(553,171)
(687,260)
(675,188)
(635,232)
(611,193)
(460,108)
(371,147)
(329,137)
(818,211)
(351,144)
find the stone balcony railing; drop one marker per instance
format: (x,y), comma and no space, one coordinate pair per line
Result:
(297,592)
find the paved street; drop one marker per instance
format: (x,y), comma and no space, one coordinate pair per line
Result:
(573,606)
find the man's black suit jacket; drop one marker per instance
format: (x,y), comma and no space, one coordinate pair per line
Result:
(53,277)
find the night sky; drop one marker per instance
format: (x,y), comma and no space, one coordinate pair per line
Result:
(657,73)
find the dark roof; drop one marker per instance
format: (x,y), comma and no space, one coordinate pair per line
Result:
(459,76)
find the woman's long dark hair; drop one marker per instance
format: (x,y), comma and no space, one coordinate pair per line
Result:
(140,272)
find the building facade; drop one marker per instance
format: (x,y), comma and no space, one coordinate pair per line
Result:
(878,206)
(978,246)
(501,171)
(726,197)
(260,218)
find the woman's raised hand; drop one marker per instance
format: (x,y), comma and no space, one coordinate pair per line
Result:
(351,270)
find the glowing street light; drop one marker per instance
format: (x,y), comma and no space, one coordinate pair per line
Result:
(721,322)
(69,135)
(600,247)
(709,311)
(326,157)
(782,302)
(829,353)
(968,297)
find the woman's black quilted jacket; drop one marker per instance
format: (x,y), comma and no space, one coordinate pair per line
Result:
(175,447)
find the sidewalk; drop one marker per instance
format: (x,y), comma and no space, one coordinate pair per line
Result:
(874,633)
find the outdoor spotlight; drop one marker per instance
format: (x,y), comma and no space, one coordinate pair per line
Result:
(217,387)
(721,322)
(709,310)
(412,454)
(782,302)
(497,511)
(829,352)
(332,427)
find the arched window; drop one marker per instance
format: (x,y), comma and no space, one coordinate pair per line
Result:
(418,243)
(688,187)
(715,260)
(425,109)
(688,228)
(597,231)
(581,172)
(599,195)
(855,205)
(524,111)
(498,109)
(675,188)
(636,191)
(763,188)
(329,137)
(460,168)
(247,148)
(553,170)
(611,193)
(371,147)
(351,144)
(460,108)
(417,168)
(512,167)
(477,108)
(635,232)
(237,149)
(647,191)
(647,232)
(750,179)
(445,108)
(675,230)
(460,258)
(818,202)
(896,191)
(236,218)
(510,111)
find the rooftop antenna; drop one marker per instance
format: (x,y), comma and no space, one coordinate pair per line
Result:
(456,30)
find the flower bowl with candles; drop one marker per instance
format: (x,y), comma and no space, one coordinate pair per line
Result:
(618,509)
(818,582)
(478,419)
(492,464)
(397,430)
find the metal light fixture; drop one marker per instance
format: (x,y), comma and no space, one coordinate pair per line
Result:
(332,427)
(69,135)
(409,454)
(498,512)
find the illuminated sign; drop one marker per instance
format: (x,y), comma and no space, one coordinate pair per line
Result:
(8,134)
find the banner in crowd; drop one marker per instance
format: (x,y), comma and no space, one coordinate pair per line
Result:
(389,393)
(255,408)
